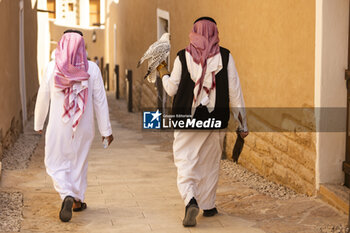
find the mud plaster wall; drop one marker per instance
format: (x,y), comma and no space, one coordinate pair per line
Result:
(10,103)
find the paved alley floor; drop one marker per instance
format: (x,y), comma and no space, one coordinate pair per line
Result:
(132,188)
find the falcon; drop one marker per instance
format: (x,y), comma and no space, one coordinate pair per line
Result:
(156,54)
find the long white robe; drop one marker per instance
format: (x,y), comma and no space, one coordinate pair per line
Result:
(197,153)
(66,153)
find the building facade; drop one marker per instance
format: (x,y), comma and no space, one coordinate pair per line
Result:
(288,56)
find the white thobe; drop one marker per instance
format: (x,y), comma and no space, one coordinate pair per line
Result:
(66,152)
(197,154)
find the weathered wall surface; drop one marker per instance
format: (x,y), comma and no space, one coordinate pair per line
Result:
(31,51)
(9,81)
(10,103)
(283,157)
(273,44)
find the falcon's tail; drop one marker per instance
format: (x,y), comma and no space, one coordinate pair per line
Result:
(139,63)
(143,58)
(148,73)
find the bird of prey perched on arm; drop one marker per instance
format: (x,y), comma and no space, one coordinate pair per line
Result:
(156,54)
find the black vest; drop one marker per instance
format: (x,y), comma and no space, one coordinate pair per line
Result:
(182,103)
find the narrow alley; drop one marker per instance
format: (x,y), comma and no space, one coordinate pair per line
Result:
(270,73)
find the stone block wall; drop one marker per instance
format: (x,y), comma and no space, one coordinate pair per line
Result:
(286,158)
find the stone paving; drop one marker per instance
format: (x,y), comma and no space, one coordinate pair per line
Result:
(132,188)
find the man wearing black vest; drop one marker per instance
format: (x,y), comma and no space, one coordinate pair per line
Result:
(204,83)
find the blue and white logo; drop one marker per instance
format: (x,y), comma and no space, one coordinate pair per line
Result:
(151,120)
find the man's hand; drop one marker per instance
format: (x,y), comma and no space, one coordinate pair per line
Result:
(109,138)
(243,134)
(162,69)
(40,132)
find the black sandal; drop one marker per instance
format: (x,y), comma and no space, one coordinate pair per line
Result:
(191,213)
(82,207)
(210,213)
(66,209)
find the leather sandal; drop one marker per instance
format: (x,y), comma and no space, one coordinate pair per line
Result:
(191,213)
(82,207)
(66,209)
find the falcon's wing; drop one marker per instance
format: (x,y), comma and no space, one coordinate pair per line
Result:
(158,58)
(155,48)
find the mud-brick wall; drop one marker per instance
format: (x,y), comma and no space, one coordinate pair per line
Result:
(10,102)
(281,148)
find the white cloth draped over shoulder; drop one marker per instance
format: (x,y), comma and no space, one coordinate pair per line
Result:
(65,155)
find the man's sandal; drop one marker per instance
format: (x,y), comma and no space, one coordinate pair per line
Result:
(66,209)
(82,207)
(191,213)
(210,213)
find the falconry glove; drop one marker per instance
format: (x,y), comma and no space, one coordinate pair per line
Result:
(163,70)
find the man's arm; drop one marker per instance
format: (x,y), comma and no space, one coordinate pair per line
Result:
(171,83)
(101,106)
(236,96)
(42,101)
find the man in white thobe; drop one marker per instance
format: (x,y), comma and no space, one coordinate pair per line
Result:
(204,76)
(70,129)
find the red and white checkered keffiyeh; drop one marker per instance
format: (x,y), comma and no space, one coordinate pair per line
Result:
(204,44)
(71,76)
